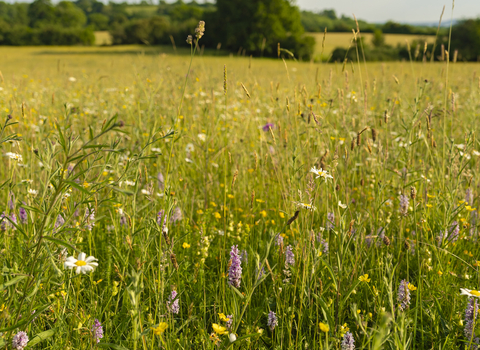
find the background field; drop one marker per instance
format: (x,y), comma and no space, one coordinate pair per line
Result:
(334,40)
(95,128)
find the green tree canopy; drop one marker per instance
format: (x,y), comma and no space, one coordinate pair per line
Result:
(258,25)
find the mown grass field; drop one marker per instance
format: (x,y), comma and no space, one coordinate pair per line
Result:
(159,183)
(334,40)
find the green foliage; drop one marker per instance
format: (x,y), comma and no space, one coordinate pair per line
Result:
(258,26)
(466,39)
(378,39)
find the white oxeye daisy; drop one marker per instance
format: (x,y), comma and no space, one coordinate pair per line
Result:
(82,264)
(341,205)
(32,192)
(189,148)
(130,183)
(321,173)
(14,156)
(146,192)
(202,137)
(470,292)
(306,206)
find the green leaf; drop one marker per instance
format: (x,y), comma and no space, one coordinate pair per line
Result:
(24,206)
(111,346)
(12,282)
(237,291)
(60,242)
(128,193)
(40,337)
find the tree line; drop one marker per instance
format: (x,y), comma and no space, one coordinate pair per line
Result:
(251,27)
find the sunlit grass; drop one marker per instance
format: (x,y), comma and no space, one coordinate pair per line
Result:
(97,133)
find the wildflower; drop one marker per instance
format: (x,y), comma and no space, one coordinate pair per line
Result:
(229,322)
(189,148)
(200,30)
(470,292)
(32,192)
(219,329)
(59,222)
(162,326)
(454,231)
(272,320)
(14,156)
(471,313)
(324,327)
(306,206)
(189,40)
(145,192)
(321,173)
(13,218)
(176,215)
(364,278)
(185,245)
(411,287)
(403,295)
(348,343)
(172,303)
(404,201)
(232,337)
(268,126)
(19,341)
(23,216)
(343,206)
(161,181)
(223,317)
(202,137)
(97,331)
(469,196)
(279,240)
(123,221)
(330,221)
(82,264)
(235,270)
(289,257)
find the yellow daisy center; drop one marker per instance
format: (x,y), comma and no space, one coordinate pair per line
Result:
(476,293)
(80,263)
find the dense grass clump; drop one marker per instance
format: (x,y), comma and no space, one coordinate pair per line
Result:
(237,203)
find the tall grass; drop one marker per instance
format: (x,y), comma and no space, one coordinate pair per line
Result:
(95,132)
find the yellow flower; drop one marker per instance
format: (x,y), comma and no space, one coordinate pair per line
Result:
(282,215)
(440,273)
(223,318)
(199,211)
(364,278)
(324,327)
(411,287)
(185,245)
(263,213)
(217,215)
(162,326)
(219,329)
(231,196)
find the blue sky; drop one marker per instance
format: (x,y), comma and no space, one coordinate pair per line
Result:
(397,10)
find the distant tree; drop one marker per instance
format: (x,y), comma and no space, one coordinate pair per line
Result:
(68,15)
(466,39)
(99,21)
(378,39)
(41,12)
(248,23)
(329,13)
